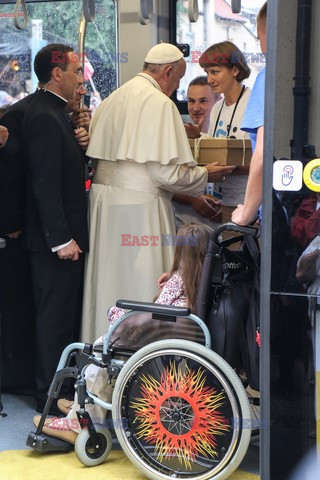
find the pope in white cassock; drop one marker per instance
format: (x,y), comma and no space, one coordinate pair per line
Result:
(143,157)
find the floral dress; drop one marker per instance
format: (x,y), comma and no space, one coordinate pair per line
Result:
(172,293)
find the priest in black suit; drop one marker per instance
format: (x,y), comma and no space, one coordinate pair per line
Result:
(55,230)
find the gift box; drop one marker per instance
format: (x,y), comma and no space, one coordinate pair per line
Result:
(225,151)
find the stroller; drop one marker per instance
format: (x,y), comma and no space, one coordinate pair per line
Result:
(179,410)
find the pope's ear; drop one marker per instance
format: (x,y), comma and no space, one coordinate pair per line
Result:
(167,71)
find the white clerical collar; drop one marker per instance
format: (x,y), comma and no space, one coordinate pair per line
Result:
(151,79)
(54,93)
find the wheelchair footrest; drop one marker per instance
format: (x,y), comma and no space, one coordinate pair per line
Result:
(44,443)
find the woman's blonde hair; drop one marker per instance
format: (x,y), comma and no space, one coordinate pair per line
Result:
(191,248)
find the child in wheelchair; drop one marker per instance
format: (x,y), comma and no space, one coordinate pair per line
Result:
(179,288)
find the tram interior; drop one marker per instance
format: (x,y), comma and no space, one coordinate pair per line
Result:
(113,45)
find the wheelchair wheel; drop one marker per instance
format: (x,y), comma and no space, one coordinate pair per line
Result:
(180,411)
(89,454)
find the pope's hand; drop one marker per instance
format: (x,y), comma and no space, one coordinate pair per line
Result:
(217,173)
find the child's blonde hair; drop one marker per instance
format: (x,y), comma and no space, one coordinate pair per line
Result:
(191,248)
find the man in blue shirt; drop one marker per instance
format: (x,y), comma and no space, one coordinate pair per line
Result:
(253,122)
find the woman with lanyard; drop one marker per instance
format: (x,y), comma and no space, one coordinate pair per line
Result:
(226,69)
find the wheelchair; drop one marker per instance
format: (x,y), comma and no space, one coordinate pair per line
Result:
(178,409)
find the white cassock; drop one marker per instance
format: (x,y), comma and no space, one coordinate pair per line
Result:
(143,154)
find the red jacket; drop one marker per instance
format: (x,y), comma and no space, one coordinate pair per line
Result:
(305,225)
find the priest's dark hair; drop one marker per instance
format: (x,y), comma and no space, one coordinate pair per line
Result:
(51,56)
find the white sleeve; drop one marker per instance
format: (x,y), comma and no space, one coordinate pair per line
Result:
(59,247)
(179,178)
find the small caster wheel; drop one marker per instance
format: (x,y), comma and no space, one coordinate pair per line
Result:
(89,454)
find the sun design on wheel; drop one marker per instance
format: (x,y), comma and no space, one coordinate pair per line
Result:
(179,415)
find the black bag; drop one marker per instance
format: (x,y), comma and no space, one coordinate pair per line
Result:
(229,303)
(252,359)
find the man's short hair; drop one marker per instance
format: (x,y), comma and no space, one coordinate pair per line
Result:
(226,54)
(49,57)
(262,15)
(201,80)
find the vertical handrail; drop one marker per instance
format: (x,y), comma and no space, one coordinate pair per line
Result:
(81,38)
(87,16)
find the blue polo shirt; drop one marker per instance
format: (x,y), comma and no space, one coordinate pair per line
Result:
(254,114)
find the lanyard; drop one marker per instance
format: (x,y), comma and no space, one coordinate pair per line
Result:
(233,113)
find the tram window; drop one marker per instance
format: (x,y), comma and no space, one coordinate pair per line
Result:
(57,22)
(217,23)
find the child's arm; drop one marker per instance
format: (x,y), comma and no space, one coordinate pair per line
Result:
(173,292)
(162,280)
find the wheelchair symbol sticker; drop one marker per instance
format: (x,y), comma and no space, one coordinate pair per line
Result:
(311,175)
(287,175)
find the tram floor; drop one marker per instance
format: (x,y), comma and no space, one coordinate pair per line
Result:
(18,462)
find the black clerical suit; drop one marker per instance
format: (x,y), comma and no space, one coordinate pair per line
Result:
(16,295)
(55,214)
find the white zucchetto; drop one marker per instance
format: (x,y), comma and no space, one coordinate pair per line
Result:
(163,53)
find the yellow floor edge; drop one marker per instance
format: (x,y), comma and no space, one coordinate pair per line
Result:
(31,465)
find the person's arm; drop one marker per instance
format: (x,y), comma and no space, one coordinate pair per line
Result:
(11,120)
(205,206)
(193,130)
(247,213)
(82,118)
(308,266)
(4,134)
(172,292)
(82,137)
(185,178)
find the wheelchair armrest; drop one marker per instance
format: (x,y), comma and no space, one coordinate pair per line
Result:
(154,308)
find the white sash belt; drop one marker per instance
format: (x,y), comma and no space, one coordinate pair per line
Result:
(129,175)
